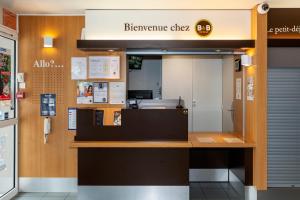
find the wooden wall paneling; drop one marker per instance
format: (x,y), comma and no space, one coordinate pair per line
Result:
(29,143)
(259,105)
(238,104)
(55,159)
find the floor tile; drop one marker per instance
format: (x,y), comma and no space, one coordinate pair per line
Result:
(210,193)
(71,198)
(232,194)
(31,194)
(56,194)
(27,198)
(72,194)
(210,185)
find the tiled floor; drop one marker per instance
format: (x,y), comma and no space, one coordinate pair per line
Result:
(214,191)
(198,191)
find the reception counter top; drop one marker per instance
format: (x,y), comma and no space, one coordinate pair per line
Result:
(195,140)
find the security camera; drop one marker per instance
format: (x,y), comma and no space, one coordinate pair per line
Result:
(263,8)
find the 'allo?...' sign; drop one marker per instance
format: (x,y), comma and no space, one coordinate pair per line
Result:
(46,64)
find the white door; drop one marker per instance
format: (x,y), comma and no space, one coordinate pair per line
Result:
(207,94)
(198,80)
(8,122)
(177,80)
(228,97)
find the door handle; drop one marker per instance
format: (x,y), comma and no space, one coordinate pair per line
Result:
(194,103)
(232,110)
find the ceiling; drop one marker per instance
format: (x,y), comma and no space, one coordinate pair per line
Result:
(78,6)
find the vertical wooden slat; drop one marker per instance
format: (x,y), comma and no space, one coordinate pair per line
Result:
(259,105)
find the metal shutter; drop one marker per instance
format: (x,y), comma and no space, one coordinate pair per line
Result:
(284,127)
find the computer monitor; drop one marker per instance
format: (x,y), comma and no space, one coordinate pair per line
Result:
(140,94)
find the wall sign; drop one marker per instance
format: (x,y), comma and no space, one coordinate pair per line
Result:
(72,118)
(78,68)
(100,92)
(104,67)
(9,19)
(46,64)
(84,92)
(238,89)
(117,92)
(168,24)
(284,23)
(250,88)
(203,28)
(48,104)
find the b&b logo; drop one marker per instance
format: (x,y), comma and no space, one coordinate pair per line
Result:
(203,28)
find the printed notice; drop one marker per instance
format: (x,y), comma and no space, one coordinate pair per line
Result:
(250,88)
(72,118)
(100,92)
(117,93)
(84,92)
(78,68)
(104,67)
(48,104)
(238,89)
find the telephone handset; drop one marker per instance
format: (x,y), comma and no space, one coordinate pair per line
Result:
(47,128)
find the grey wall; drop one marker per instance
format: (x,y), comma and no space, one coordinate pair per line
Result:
(148,78)
(283,57)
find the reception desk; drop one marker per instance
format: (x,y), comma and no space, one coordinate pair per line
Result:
(150,155)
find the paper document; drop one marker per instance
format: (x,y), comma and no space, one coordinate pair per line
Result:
(206,140)
(117,93)
(72,119)
(104,67)
(78,68)
(233,140)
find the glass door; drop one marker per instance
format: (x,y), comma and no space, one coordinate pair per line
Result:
(8,121)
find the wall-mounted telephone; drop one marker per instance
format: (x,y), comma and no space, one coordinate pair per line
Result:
(47,128)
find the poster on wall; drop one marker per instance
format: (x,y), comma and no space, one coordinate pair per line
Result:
(78,68)
(104,67)
(5,74)
(84,92)
(48,104)
(100,92)
(117,93)
(250,88)
(72,112)
(238,89)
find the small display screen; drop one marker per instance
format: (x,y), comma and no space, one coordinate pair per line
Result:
(135,62)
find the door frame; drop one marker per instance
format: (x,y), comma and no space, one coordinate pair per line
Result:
(12,35)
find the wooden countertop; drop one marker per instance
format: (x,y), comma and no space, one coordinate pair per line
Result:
(131,144)
(196,140)
(218,140)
